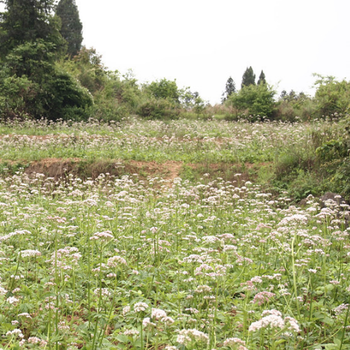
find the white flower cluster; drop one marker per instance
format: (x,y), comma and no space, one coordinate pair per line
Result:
(140,307)
(188,336)
(131,332)
(29,253)
(103,291)
(339,309)
(203,289)
(12,300)
(116,261)
(65,258)
(231,342)
(102,236)
(293,220)
(12,234)
(15,333)
(274,320)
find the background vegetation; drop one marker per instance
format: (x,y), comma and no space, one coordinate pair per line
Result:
(47,73)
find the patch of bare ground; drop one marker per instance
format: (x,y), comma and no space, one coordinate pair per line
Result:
(54,167)
(168,171)
(60,168)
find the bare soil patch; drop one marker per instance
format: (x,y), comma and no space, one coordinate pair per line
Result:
(58,168)
(168,171)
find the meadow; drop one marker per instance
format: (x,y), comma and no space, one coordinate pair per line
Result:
(130,257)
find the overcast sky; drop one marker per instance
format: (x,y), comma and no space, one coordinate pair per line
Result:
(201,43)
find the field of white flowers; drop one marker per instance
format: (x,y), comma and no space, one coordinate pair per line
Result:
(134,263)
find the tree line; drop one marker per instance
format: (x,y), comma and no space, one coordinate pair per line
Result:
(47,73)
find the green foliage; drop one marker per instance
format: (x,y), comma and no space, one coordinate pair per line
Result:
(65,98)
(164,89)
(87,67)
(292,106)
(34,59)
(254,100)
(248,77)
(32,86)
(28,21)
(31,83)
(71,26)
(158,109)
(333,149)
(332,96)
(333,156)
(229,90)
(114,96)
(17,96)
(262,79)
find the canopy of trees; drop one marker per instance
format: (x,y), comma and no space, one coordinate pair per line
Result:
(46,72)
(248,77)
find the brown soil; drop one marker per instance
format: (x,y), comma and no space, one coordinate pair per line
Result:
(60,168)
(169,170)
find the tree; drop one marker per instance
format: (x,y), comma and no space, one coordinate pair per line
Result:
(332,96)
(248,77)
(30,82)
(71,26)
(262,79)
(230,89)
(165,89)
(27,21)
(254,100)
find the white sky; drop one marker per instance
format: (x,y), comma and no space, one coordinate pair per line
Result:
(200,43)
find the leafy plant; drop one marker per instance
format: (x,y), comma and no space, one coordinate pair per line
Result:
(254,100)
(158,109)
(332,96)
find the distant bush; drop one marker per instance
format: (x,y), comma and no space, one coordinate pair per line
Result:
(332,96)
(158,109)
(334,159)
(254,101)
(163,89)
(17,97)
(292,106)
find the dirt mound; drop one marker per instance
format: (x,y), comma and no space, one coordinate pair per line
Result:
(61,168)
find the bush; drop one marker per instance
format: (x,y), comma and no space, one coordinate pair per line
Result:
(293,106)
(256,101)
(65,98)
(164,89)
(17,97)
(158,109)
(332,96)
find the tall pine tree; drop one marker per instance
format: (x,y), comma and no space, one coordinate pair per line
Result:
(262,79)
(72,27)
(28,21)
(230,89)
(248,77)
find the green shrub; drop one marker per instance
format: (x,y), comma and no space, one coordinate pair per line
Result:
(293,107)
(256,101)
(17,97)
(65,98)
(164,89)
(158,109)
(332,96)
